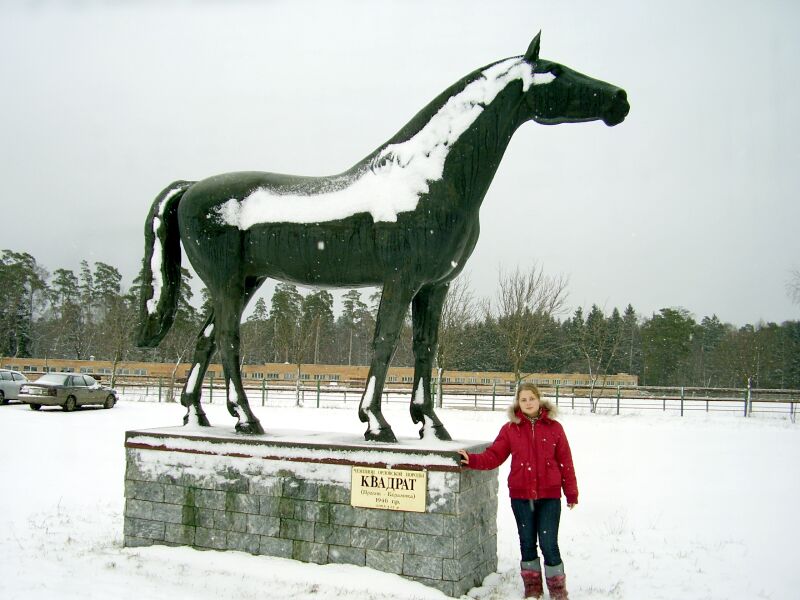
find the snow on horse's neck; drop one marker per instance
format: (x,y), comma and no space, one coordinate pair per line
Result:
(400,173)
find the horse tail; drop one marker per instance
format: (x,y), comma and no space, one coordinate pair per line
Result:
(161,267)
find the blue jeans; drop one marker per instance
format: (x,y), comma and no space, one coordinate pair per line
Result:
(538,519)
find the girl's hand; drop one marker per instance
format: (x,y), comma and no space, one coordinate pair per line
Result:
(464,457)
(571,506)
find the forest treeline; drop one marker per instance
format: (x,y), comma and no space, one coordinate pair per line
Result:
(522,328)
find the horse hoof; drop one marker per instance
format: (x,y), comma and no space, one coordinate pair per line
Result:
(384,434)
(250,428)
(438,431)
(202,420)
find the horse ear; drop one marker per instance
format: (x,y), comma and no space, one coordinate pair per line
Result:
(532,54)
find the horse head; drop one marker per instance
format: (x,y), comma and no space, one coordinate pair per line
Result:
(566,96)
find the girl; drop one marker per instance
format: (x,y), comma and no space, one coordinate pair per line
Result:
(541,465)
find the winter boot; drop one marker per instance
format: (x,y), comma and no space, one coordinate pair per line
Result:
(531,571)
(556,582)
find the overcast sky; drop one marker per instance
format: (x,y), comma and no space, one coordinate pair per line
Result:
(691,202)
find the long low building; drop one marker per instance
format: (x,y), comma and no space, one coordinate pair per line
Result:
(274,373)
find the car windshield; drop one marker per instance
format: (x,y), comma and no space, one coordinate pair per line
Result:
(52,379)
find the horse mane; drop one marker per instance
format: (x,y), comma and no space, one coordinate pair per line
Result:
(424,115)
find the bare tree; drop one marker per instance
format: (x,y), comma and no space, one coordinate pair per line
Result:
(458,311)
(598,340)
(793,286)
(524,303)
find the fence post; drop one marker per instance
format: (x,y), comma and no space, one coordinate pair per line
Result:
(556,394)
(681,400)
(263,388)
(317,393)
(573,397)
(211,389)
(664,403)
(494,393)
(160,385)
(706,402)
(618,392)
(748,399)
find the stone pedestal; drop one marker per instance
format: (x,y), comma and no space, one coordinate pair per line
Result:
(288,494)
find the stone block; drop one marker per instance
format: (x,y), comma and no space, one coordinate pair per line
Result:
(135,542)
(347,555)
(242,503)
(423,523)
(143,528)
(297,530)
(272,546)
(139,509)
(210,538)
(318,512)
(385,519)
(299,489)
(446,587)
(189,515)
(179,534)
(348,515)
(452,569)
(369,538)
(265,486)
(244,542)
(325,533)
(204,517)
(286,507)
(466,543)
(388,562)
(177,494)
(263,525)
(422,566)
(310,552)
(168,513)
(204,498)
(144,490)
(230,521)
(437,546)
(231,480)
(334,494)
(269,505)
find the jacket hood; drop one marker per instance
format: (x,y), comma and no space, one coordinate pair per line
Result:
(517,416)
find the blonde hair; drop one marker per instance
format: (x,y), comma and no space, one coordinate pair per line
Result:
(552,409)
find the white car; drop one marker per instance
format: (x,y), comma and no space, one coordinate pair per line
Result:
(10,382)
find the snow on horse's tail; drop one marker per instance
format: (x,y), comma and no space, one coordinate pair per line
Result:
(161,267)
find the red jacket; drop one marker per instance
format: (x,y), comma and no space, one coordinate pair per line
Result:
(541,462)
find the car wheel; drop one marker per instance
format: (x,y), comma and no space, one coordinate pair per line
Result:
(110,401)
(3,397)
(35,406)
(69,405)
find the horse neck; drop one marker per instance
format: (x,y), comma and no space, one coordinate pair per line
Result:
(478,152)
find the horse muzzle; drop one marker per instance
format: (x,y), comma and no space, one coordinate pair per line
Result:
(617,109)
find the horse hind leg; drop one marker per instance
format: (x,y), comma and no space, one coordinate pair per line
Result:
(426,315)
(192,389)
(227,330)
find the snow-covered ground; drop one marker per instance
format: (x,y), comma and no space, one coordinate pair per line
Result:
(669,508)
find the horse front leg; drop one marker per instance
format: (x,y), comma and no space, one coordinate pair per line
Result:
(394,304)
(426,315)
(190,396)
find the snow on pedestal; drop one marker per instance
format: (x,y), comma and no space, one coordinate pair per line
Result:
(288,494)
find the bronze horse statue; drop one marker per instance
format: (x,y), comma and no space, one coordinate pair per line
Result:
(405,218)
